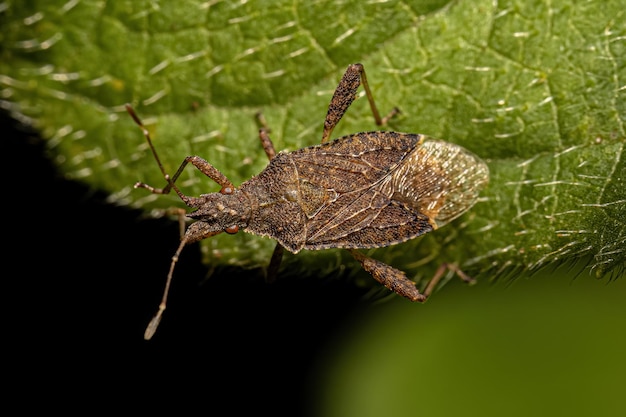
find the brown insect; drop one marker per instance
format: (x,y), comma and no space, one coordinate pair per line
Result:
(365,190)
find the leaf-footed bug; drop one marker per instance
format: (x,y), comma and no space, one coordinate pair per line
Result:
(365,190)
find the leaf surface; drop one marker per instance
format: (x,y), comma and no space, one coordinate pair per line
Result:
(537,89)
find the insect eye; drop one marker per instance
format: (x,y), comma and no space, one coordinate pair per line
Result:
(231,230)
(226,190)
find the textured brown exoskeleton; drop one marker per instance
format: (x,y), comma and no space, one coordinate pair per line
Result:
(365,190)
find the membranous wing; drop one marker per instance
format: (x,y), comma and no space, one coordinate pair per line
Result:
(440,179)
(374,189)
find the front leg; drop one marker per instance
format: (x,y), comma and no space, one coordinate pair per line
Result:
(202,165)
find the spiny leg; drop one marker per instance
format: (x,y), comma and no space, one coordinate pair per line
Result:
(344,95)
(390,277)
(202,165)
(397,281)
(264,136)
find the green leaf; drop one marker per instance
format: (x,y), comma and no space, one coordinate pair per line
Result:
(535,88)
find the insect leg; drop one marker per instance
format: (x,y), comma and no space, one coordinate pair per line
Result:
(202,165)
(390,277)
(266,142)
(344,95)
(397,281)
(275,261)
(180,214)
(440,274)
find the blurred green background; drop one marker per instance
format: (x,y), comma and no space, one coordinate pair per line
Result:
(545,345)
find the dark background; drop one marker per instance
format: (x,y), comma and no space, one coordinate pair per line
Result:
(84,278)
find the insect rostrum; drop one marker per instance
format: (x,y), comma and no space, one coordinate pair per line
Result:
(365,190)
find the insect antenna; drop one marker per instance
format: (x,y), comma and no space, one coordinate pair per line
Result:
(154,323)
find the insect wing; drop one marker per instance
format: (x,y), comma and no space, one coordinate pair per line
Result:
(341,194)
(353,162)
(440,179)
(390,191)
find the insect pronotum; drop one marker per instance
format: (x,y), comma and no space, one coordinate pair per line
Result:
(365,190)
